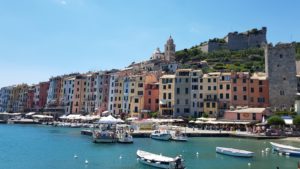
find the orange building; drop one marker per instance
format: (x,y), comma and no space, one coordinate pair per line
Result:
(151,99)
(259,90)
(240,88)
(78,96)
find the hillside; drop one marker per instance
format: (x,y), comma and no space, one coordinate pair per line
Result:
(225,60)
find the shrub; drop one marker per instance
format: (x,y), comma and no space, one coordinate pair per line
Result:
(296,120)
(275,120)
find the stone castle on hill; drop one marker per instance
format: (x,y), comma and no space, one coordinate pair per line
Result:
(237,41)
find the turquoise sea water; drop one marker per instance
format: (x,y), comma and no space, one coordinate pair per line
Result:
(45,147)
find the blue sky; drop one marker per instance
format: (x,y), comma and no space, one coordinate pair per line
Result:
(44,38)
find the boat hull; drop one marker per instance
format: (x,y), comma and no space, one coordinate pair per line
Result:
(146,162)
(164,137)
(182,139)
(286,150)
(232,152)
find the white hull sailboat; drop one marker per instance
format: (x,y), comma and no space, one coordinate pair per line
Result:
(286,149)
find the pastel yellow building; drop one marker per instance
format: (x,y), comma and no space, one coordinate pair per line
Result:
(166,95)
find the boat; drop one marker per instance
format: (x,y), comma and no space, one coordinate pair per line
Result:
(124,137)
(106,136)
(161,135)
(234,152)
(159,161)
(286,149)
(179,136)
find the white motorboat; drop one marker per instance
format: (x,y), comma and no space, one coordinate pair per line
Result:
(234,152)
(125,137)
(104,136)
(286,149)
(161,135)
(179,136)
(159,161)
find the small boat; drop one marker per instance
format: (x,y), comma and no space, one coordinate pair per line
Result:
(104,136)
(125,137)
(161,135)
(286,149)
(234,152)
(179,136)
(160,161)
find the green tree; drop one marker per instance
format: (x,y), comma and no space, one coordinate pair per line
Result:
(285,113)
(296,120)
(275,120)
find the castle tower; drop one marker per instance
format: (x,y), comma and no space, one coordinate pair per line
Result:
(170,49)
(280,65)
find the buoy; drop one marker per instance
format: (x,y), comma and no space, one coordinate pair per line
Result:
(249,164)
(197,153)
(267,149)
(280,154)
(75,156)
(120,157)
(262,151)
(86,162)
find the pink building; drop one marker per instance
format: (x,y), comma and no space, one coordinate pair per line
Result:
(245,114)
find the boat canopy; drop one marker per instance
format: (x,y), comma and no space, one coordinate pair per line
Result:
(109,120)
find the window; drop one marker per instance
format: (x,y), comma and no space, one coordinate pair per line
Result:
(281,92)
(245,97)
(132,90)
(201,104)
(280,56)
(209,88)
(186,80)
(221,96)
(164,96)
(149,101)
(234,80)
(140,85)
(201,80)
(221,86)
(213,105)
(234,89)
(252,90)
(178,110)
(260,89)
(227,87)
(244,80)
(201,96)
(215,80)
(135,109)
(186,90)
(201,87)
(164,87)
(186,101)
(238,116)
(260,82)
(194,87)
(140,93)
(136,100)
(208,80)
(227,95)
(186,110)
(178,101)
(251,80)
(207,105)
(194,96)
(235,97)
(178,90)
(169,95)
(169,86)
(149,93)
(215,87)
(253,116)
(244,89)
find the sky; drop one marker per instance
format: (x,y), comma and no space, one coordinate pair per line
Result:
(44,38)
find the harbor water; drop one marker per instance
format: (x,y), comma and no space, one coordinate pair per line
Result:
(46,147)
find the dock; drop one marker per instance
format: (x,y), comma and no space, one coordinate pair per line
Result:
(146,134)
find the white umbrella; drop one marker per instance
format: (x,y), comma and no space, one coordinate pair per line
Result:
(108,120)
(120,120)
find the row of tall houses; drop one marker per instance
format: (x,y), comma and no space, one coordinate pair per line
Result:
(192,93)
(159,85)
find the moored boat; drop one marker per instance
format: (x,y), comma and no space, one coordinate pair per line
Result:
(179,136)
(234,152)
(159,161)
(161,135)
(286,149)
(125,137)
(104,136)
